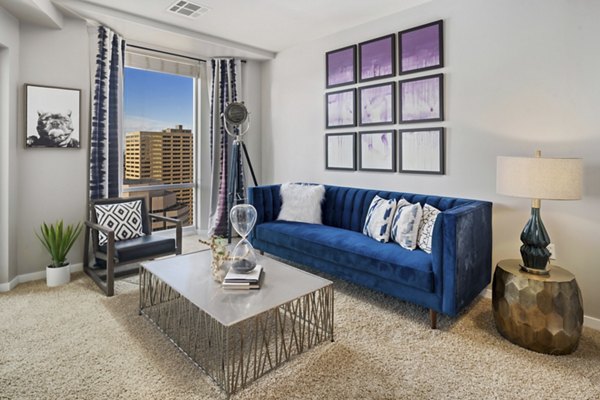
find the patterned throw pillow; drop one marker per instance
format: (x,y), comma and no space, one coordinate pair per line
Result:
(379,219)
(124,218)
(426,227)
(405,226)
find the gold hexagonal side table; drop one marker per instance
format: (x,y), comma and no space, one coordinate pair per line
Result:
(543,313)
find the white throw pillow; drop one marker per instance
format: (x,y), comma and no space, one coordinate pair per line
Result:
(301,203)
(379,219)
(123,218)
(430,214)
(405,225)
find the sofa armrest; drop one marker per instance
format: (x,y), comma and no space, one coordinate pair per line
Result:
(466,259)
(267,202)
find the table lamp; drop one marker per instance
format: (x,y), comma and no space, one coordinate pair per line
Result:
(538,178)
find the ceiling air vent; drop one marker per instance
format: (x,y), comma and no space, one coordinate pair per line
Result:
(188,9)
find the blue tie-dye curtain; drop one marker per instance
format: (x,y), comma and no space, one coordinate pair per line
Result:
(106,116)
(224,85)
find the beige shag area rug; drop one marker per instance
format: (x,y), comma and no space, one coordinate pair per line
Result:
(72,342)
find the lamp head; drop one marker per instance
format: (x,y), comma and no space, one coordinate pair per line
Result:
(235,113)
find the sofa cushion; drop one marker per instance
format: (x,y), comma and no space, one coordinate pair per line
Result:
(426,227)
(379,219)
(352,249)
(301,203)
(405,225)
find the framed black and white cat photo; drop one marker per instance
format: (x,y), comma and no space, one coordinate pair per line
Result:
(53,117)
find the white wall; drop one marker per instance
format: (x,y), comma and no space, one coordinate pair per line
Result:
(519,76)
(9,75)
(52,183)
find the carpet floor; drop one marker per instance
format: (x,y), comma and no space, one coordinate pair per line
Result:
(72,342)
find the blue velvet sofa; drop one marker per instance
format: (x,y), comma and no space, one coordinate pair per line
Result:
(445,281)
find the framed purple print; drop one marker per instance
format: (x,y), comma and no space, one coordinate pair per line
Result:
(340,109)
(340,151)
(422,47)
(377,151)
(377,104)
(341,66)
(422,99)
(422,151)
(377,58)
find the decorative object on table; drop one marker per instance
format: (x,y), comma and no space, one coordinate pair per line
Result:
(377,151)
(543,313)
(377,58)
(220,256)
(377,104)
(340,151)
(341,66)
(422,99)
(301,203)
(58,240)
(421,48)
(244,281)
(340,109)
(53,117)
(243,257)
(422,151)
(538,178)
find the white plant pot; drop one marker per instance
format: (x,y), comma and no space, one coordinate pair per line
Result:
(58,276)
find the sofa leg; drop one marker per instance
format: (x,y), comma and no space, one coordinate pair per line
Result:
(433,318)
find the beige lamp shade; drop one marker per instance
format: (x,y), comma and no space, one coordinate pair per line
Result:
(540,178)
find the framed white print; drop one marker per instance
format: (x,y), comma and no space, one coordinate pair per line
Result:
(422,151)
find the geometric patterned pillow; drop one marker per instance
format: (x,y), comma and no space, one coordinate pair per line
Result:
(124,218)
(405,226)
(426,227)
(379,219)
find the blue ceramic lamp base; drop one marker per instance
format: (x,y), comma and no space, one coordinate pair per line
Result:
(535,240)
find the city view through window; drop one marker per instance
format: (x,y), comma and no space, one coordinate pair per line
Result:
(158,154)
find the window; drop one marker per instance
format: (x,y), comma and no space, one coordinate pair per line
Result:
(159,130)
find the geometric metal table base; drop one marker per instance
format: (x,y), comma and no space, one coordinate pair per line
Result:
(543,313)
(235,355)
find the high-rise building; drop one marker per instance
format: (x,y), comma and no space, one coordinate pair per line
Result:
(163,158)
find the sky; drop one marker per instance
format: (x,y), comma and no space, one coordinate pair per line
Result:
(155,101)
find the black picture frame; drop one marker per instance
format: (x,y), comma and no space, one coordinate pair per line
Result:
(421,48)
(422,151)
(340,109)
(421,99)
(377,58)
(339,63)
(378,154)
(375,107)
(52,117)
(340,151)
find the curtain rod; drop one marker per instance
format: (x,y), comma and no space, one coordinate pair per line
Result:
(169,53)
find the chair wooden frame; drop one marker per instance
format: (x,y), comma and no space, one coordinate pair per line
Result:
(105,278)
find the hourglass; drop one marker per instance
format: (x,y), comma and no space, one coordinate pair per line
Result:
(243,218)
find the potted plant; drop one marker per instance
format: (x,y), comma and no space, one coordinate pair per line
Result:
(58,240)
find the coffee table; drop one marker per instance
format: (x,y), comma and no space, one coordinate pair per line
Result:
(236,336)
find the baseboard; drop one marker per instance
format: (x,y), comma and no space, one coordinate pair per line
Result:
(590,322)
(33,276)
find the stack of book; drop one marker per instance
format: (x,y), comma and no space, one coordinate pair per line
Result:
(251,280)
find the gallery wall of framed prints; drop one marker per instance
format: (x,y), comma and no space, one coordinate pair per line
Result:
(378,83)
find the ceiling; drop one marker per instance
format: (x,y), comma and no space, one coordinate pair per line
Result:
(256,29)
